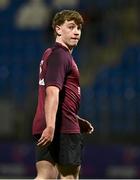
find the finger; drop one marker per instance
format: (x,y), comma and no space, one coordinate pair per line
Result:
(91,127)
(44,143)
(41,141)
(91,130)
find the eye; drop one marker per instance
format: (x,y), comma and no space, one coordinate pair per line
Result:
(71,27)
(79,27)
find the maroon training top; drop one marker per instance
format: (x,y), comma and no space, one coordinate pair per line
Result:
(57,68)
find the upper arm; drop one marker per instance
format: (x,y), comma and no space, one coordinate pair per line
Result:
(52,91)
(57,69)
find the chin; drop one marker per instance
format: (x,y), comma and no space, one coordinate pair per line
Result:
(71,46)
(74,45)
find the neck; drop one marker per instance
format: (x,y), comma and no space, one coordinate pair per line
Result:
(65,45)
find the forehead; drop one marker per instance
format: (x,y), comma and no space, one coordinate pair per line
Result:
(71,22)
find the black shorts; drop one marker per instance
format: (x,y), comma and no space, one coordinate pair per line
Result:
(65,149)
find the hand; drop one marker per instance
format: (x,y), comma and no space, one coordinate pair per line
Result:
(46,137)
(85,126)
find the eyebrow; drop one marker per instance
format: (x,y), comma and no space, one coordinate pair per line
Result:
(74,24)
(71,23)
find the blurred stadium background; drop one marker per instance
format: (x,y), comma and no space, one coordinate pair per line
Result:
(108,56)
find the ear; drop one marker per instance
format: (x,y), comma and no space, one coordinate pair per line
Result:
(58,30)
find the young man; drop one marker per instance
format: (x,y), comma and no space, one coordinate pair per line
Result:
(56,126)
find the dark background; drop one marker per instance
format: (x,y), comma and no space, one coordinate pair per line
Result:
(108,56)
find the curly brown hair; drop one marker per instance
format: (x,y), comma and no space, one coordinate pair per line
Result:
(68,15)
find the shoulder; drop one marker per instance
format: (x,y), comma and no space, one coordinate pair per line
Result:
(47,53)
(60,52)
(60,55)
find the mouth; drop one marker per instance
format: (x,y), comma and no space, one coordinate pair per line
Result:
(76,39)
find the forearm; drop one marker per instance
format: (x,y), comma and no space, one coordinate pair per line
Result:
(51,106)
